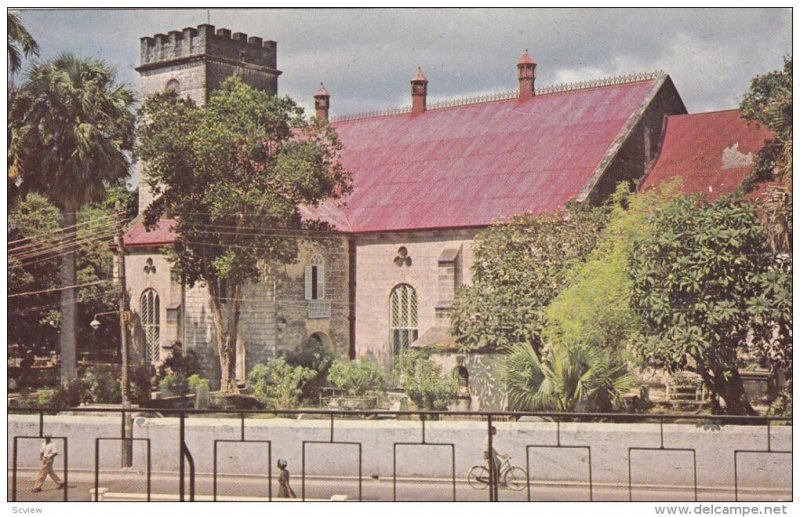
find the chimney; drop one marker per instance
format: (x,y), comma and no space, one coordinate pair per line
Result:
(419,91)
(322,102)
(527,76)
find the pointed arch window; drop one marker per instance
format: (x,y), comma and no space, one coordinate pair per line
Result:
(402,317)
(315,278)
(150,311)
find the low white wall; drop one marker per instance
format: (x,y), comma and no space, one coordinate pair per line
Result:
(609,444)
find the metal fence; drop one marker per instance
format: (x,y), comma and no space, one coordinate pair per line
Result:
(481,476)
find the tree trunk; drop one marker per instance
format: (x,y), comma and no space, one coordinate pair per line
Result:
(227,363)
(732,392)
(226,323)
(728,386)
(67,342)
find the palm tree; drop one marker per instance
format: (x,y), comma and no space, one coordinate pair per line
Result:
(71,127)
(566,378)
(18,37)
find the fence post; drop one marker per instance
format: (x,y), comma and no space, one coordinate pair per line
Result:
(182,468)
(490,455)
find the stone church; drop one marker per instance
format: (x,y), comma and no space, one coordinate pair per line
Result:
(426,179)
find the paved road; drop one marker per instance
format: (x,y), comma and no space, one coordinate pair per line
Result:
(372,489)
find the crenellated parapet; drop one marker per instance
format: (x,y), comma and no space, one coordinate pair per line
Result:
(205,41)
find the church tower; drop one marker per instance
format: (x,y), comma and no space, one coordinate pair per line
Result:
(195,61)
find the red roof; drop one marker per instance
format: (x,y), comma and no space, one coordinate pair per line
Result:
(711,152)
(473,164)
(138,236)
(470,165)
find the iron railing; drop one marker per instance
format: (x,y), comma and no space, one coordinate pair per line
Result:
(185,455)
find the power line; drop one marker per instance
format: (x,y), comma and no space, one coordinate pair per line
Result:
(53,305)
(47,241)
(64,247)
(115,215)
(15,295)
(63,250)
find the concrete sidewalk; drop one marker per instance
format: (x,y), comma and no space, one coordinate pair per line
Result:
(250,487)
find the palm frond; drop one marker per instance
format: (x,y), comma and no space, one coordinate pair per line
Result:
(19,37)
(564,378)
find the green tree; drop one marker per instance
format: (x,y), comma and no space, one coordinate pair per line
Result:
(771,316)
(702,280)
(35,241)
(594,309)
(71,126)
(246,162)
(519,267)
(98,222)
(769,102)
(33,230)
(568,378)
(18,39)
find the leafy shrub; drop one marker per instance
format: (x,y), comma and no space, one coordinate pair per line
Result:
(140,380)
(316,356)
(782,406)
(48,398)
(186,364)
(101,385)
(58,398)
(174,384)
(173,374)
(195,381)
(279,384)
(356,378)
(424,382)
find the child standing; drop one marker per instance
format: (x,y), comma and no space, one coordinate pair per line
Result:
(285,489)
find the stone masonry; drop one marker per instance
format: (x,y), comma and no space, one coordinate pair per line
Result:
(377,274)
(274,318)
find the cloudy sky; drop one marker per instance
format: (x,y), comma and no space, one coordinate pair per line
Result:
(366,57)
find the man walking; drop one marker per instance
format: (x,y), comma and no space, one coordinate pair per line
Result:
(47,453)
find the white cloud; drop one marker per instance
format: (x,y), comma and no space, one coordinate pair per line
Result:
(366,57)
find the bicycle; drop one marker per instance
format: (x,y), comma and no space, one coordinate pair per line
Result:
(514,478)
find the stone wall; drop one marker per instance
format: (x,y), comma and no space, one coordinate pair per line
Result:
(294,309)
(485,387)
(256,77)
(377,273)
(609,444)
(149,269)
(274,313)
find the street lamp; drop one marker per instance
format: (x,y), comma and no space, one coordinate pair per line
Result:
(125,317)
(95,323)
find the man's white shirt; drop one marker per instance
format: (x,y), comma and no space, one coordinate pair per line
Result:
(48,450)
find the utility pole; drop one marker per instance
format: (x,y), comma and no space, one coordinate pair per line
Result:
(124,311)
